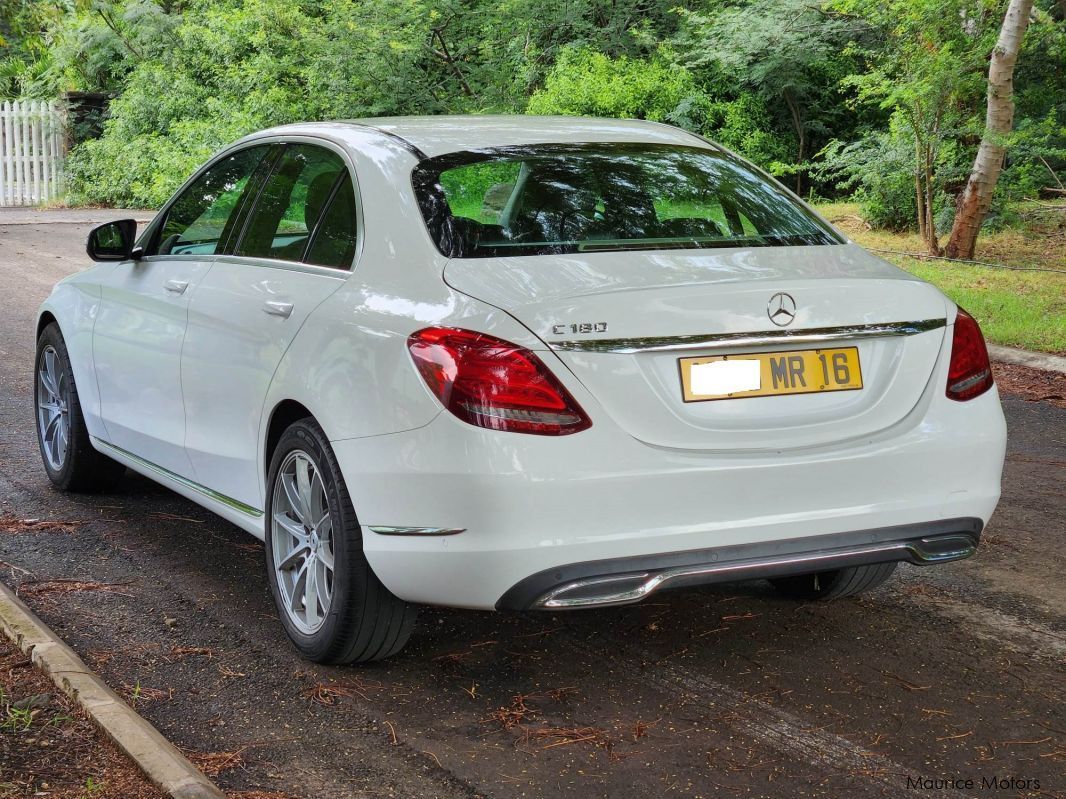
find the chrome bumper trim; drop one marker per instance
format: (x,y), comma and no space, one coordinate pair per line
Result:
(719,341)
(623,589)
(380,530)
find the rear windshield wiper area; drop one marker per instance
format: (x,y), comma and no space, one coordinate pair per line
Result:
(600,245)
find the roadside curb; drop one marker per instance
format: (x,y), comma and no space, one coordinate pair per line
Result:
(1034,360)
(159,759)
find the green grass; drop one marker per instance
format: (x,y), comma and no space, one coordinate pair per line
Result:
(16,720)
(1017,309)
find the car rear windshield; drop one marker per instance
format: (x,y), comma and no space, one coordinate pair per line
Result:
(555,199)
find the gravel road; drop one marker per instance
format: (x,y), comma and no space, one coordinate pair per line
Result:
(934,685)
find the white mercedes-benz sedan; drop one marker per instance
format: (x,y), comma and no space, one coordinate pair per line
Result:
(518,363)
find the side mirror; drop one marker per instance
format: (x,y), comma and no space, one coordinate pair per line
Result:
(113,241)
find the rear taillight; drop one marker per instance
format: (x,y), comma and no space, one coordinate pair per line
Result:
(970,373)
(492,383)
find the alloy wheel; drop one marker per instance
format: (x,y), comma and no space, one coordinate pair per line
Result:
(302,541)
(53,408)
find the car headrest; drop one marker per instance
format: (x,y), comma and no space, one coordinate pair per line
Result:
(317,194)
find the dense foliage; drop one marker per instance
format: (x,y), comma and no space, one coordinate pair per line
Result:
(880,98)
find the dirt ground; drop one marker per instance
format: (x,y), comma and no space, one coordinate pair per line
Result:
(1031,384)
(48,747)
(946,681)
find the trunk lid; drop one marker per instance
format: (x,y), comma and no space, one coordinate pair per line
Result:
(605,314)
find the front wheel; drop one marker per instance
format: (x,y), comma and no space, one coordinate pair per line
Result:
(834,584)
(332,605)
(69,459)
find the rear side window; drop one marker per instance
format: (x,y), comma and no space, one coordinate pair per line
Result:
(333,241)
(200,220)
(306,181)
(550,199)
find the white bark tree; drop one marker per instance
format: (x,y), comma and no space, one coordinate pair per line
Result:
(976,198)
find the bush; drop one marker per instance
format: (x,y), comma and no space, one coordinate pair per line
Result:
(747,126)
(1037,157)
(879,170)
(142,172)
(157,134)
(587,83)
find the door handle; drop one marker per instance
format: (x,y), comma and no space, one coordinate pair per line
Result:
(282,309)
(176,286)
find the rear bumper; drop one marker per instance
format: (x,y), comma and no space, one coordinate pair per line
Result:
(622,581)
(526,505)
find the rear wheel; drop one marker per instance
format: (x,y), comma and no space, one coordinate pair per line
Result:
(834,584)
(332,605)
(69,458)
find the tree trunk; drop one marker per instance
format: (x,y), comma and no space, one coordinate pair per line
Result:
(918,190)
(932,242)
(445,55)
(920,199)
(976,198)
(797,124)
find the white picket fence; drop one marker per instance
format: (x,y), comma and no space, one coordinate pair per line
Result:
(32,151)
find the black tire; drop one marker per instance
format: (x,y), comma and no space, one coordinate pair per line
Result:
(365,620)
(82,468)
(822,586)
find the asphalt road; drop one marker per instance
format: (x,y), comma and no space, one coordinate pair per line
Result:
(952,673)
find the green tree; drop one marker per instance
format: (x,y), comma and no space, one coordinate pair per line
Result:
(26,64)
(776,80)
(586,82)
(232,66)
(976,198)
(788,52)
(927,73)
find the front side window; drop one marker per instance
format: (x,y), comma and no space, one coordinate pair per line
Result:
(200,220)
(282,225)
(550,199)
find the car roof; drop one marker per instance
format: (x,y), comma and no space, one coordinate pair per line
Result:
(429,136)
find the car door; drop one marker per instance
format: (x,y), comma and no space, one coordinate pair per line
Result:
(143,314)
(296,248)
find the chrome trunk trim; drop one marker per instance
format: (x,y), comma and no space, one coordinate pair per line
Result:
(623,589)
(720,341)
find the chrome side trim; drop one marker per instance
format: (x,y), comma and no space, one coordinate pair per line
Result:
(382,530)
(728,340)
(922,551)
(236,505)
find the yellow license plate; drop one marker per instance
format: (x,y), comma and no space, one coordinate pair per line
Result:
(766,374)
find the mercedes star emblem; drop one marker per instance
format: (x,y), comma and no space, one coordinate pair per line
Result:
(781,309)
